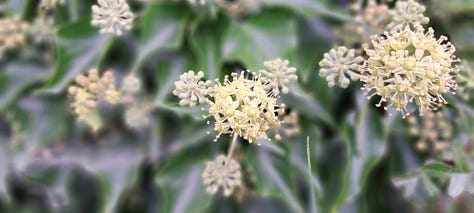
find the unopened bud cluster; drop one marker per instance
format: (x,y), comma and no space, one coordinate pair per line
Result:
(278,75)
(91,89)
(433,131)
(112,16)
(407,13)
(12,33)
(340,66)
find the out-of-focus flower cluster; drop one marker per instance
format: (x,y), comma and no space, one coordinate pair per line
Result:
(112,16)
(137,111)
(223,173)
(244,103)
(43,29)
(238,8)
(48,4)
(91,89)
(407,13)
(465,79)
(12,33)
(367,21)
(433,131)
(410,66)
(340,66)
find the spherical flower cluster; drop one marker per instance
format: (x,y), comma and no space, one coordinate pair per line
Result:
(191,89)
(278,76)
(197,2)
(48,4)
(222,173)
(131,84)
(465,79)
(12,33)
(410,66)
(340,66)
(137,115)
(90,89)
(243,106)
(43,29)
(433,131)
(112,16)
(368,21)
(407,13)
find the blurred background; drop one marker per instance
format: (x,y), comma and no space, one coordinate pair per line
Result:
(362,158)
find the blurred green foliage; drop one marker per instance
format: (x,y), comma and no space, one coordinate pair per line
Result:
(363,160)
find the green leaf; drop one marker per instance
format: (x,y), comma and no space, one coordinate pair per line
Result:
(458,183)
(268,35)
(78,47)
(309,8)
(163,27)
(274,173)
(14,78)
(437,169)
(207,42)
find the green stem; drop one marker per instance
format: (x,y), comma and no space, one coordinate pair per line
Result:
(232,145)
(311,186)
(74,9)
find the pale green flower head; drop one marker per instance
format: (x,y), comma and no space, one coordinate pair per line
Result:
(223,173)
(191,89)
(50,3)
(340,66)
(112,16)
(465,80)
(278,76)
(43,29)
(407,13)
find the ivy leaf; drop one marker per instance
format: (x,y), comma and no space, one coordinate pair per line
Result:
(14,78)
(309,8)
(458,183)
(163,27)
(266,36)
(78,46)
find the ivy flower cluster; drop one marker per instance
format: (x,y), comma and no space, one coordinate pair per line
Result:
(433,131)
(247,107)
(137,111)
(223,173)
(48,4)
(12,33)
(407,13)
(278,76)
(112,16)
(244,105)
(410,66)
(91,89)
(465,80)
(340,66)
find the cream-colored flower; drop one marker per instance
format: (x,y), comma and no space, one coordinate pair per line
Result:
(278,76)
(131,84)
(243,106)
(407,13)
(410,66)
(91,89)
(112,16)
(191,89)
(367,21)
(12,33)
(222,173)
(340,66)
(43,29)
(48,4)
(138,115)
